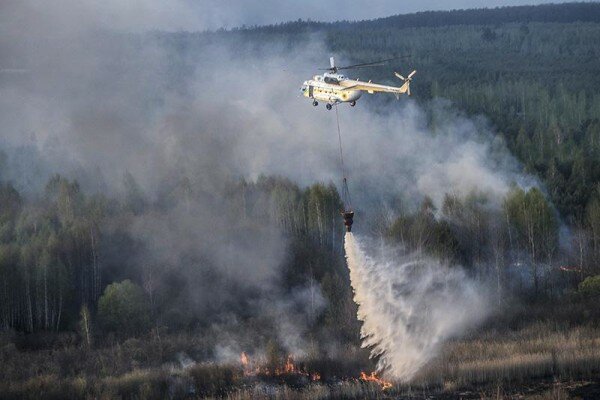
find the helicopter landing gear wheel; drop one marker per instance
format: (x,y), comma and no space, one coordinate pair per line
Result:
(315,103)
(328,106)
(352,103)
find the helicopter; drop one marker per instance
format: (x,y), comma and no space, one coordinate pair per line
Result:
(333,88)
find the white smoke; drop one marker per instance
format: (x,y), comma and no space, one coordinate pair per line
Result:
(409,306)
(93,104)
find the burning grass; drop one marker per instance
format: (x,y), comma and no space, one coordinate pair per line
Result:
(491,365)
(372,377)
(288,368)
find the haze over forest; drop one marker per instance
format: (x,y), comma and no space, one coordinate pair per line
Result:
(169,202)
(201,15)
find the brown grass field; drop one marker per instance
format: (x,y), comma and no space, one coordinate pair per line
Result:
(541,361)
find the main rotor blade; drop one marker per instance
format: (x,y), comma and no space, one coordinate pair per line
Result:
(371,64)
(353,67)
(331,62)
(412,74)
(362,66)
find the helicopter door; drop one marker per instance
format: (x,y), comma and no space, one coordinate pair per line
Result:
(310,91)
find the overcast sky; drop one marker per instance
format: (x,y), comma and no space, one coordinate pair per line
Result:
(198,15)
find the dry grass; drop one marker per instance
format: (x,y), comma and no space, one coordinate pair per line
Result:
(536,352)
(490,366)
(316,391)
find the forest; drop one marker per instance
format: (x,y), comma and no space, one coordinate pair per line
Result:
(101,290)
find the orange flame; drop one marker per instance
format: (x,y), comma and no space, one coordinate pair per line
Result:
(372,377)
(289,366)
(568,268)
(247,365)
(252,368)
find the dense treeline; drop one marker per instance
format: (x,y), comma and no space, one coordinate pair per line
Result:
(585,12)
(59,252)
(48,256)
(570,12)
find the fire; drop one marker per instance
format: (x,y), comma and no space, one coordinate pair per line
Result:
(568,268)
(289,366)
(247,366)
(372,377)
(252,368)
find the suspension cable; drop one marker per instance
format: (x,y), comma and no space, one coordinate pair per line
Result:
(345,191)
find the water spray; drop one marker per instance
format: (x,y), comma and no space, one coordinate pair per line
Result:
(409,305)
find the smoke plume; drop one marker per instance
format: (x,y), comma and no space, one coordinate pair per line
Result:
(194,112)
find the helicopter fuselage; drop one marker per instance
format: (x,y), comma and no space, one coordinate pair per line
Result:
(333,88)
(330,88)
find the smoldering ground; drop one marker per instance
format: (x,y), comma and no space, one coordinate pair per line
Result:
(194,113)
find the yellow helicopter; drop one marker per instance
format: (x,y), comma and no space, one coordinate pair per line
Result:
(333,88)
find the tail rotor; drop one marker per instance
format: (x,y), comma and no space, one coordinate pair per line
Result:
(406,80)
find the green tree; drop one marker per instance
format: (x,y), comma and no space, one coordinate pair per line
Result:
(536,226)
(123,308)
(323,205)
(65,197)
(590,287)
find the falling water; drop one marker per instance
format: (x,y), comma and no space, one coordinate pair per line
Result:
(409,306)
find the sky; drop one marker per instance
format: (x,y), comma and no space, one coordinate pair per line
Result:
(199,15)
